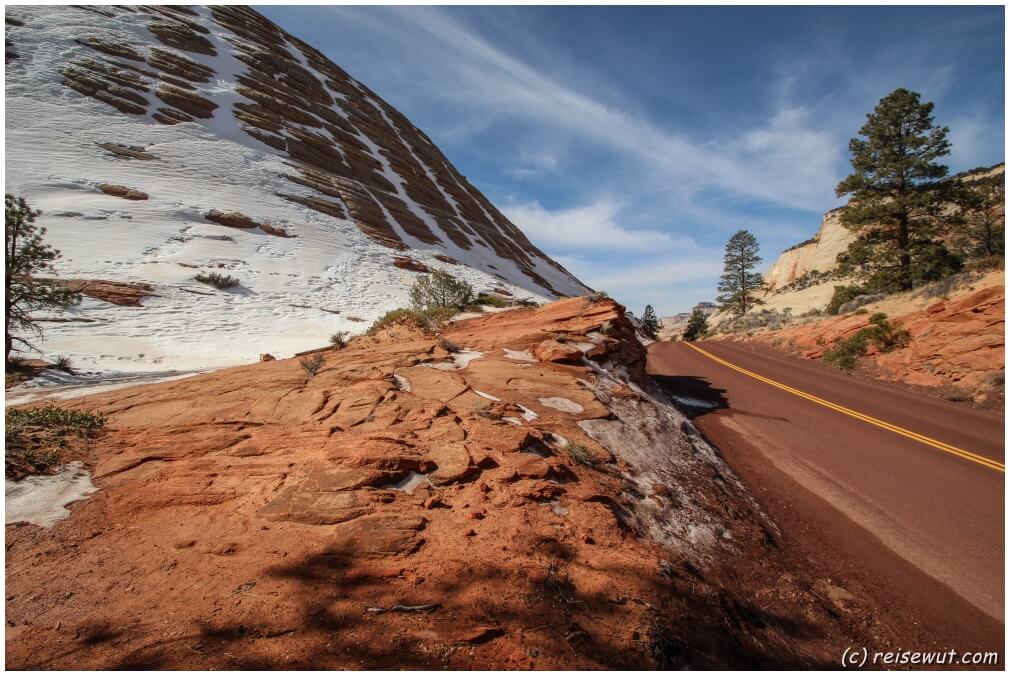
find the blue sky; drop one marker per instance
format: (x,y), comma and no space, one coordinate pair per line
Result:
(630,143)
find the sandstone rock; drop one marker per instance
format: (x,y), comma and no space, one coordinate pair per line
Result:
(377,536)
(405,263)
(122,191)
(315,507)
(187,101)
(118,293)
(454,463)
(274,230)
(266,356)
(232,219)
(127,152)
(554,351)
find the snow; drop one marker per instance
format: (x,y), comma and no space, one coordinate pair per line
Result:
(561,404)
(459,360)
(486,395)
(287,284)
(528,414)
(42,500)
(519,355)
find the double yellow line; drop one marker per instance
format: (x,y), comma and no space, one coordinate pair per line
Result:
(947,448)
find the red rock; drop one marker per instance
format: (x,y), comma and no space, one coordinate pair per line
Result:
(405,263)
(554,351)
(232,219)
(122,191)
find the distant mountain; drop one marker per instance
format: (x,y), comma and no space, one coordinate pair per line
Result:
(162,142)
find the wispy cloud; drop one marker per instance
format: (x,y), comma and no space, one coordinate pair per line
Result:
(591,227)
(794,171)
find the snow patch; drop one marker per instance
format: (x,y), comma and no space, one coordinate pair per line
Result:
(562,404)
(519,355)
(42,500)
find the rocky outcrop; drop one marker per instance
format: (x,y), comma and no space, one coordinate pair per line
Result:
(544,515)
(129,294)
(953,343)
(818,254)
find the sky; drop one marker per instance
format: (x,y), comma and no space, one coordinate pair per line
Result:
(630,143)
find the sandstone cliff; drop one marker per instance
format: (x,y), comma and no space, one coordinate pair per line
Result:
(790,282)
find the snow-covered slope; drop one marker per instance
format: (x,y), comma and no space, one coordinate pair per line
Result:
(206,109)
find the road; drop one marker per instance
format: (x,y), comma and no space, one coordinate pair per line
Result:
(919,508)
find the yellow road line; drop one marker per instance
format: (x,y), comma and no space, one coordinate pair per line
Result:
(947,448)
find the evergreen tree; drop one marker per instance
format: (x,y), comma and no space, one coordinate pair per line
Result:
(739,281)
(650,322)
(979,219)
(697,325)
(26,256)
(896,195)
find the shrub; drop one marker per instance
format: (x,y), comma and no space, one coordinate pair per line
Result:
(580,454)
(63,364)
(217,280)
(885,335)
(996,380)
(448,345)
(597,296)
(881,333)
(859,301)
(312,363)
(491,300)
(339,339)
(846,353)
(440,290)
(428,320)
(841,296)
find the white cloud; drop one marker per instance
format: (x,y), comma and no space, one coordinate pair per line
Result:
(593,226)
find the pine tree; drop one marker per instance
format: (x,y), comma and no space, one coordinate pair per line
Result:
(650,322)
(896,195)
(26,256)
(739,281)
(697,325)
(979,217)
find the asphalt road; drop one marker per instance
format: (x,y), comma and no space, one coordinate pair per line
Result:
(933,500)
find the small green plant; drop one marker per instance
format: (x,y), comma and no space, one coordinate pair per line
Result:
(339,339)
(33,436)
(580,454)
(846,353)
(312,363)
(597,296)
(217,280)
(448,345)
(861,311)
(882,334)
